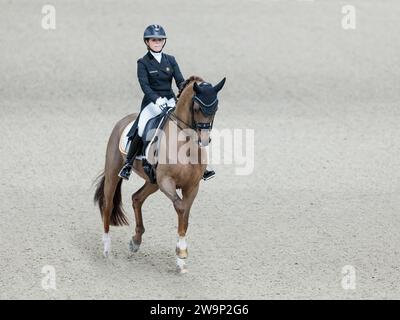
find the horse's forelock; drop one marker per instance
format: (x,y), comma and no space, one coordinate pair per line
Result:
(195,78)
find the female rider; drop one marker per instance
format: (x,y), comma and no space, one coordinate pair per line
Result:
(155,72)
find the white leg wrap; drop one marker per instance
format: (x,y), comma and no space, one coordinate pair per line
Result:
(181,265)
(107,243)
(182,243)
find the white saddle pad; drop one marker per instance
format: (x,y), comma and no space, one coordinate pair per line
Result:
(123,141)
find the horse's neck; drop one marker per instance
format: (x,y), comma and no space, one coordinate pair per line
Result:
(183,113)
(171,147)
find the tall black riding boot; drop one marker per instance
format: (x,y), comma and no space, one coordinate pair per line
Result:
(134,148)
(208,174)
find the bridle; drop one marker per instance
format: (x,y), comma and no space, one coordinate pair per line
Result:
(195,125)
(207,109)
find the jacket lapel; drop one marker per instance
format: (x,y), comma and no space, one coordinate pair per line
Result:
(153,61)
(164,65)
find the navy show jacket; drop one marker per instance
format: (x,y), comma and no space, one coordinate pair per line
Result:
(156,78)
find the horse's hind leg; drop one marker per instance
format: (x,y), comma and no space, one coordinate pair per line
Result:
(137,201)
(110,185)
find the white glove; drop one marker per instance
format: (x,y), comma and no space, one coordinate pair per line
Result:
(171,103)
(160,102)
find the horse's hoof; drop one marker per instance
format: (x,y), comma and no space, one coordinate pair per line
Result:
(105,254)
(181,253)
(134,247)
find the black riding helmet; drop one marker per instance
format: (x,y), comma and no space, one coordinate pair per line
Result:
(154,31)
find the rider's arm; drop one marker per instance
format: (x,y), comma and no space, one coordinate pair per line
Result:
(179,80)
(144,82)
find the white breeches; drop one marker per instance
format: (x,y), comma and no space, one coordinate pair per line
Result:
(150,111)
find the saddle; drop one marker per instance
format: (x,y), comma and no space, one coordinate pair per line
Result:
(150,139)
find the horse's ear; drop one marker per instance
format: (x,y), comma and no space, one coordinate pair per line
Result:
(219,86)
(196,87)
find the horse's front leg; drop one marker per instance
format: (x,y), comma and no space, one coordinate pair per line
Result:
(183,223)
(183,220)
(168,187)
(182,207)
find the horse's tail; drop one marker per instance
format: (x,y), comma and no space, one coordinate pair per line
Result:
(118,217)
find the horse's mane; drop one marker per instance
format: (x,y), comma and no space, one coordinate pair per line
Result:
(185,96)
(187,82)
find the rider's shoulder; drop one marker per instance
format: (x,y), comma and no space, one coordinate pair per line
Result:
(170,57)
(143,59)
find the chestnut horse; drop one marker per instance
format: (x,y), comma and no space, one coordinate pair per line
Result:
(192,119)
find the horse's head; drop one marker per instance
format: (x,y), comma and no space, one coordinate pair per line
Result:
(205,105)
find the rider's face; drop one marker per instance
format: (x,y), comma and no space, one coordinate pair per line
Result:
(155,44)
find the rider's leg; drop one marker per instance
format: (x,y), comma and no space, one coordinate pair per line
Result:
(148,112)
(134,148)
(209,172)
